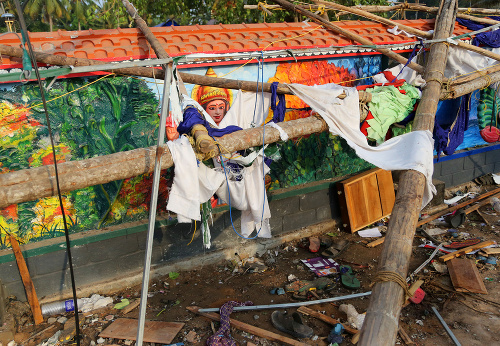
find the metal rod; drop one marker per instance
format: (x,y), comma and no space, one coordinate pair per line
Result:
(152,207)
(290,305)
(426,262)
(448,330)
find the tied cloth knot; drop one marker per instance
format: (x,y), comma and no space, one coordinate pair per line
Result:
(222,337)
(385,276)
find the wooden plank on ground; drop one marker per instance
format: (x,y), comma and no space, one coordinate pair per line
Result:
(28,283)
(154,331)
(491,250)
(465,276)
(463,251)
(376,242)
(307,311)
(249,328)
(130,307)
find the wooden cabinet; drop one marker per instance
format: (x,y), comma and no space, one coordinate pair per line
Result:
(366,198)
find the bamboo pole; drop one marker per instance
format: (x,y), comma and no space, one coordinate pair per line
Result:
(474,75)
(476,84)
(381,323)
(381,9)
(423,8)
(338,30)
(407,28)
(31,184)
(147,72)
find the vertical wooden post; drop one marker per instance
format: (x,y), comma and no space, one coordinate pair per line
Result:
(381,323)
(28,283)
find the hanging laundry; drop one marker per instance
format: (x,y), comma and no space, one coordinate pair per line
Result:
(448,138)
(410,151)
(389,106)
(488,38)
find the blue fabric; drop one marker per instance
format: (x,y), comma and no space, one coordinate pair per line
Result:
(490,38)
(280,108)
(448,138)
(193,117)
(169,22)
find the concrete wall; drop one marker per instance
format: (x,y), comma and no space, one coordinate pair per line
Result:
(114,257)
(466,166)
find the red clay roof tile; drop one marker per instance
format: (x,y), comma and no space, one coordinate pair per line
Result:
(123,44)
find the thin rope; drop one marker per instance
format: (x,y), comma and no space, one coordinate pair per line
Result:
(390,276)
(63,214)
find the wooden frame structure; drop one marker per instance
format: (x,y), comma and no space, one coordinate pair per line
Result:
(381,323)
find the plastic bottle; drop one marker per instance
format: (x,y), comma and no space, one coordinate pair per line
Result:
(61,307)
(495,203)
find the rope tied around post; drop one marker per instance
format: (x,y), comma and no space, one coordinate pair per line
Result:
(386,276)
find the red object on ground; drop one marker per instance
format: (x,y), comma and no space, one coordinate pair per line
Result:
(418,296)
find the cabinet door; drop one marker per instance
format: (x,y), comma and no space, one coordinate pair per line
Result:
(366,198)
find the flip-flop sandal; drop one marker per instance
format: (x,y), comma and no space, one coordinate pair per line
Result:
(348,278)
(291,324)
(336,249)
(457,218)
(314,244)
(462,244)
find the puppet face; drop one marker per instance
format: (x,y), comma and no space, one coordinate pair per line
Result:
(217,109)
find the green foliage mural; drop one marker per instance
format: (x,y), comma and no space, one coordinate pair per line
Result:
(316,157)
(89,118)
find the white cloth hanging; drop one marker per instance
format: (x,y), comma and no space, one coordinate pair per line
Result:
(194,184)
(413,150)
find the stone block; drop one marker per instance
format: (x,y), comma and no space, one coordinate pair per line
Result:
(452,166)
(57,282)
(447,180)
(315,200)
(299,220)
(285,206)
(9,272)
(492,156)
(437,169)
(439,196)
(474,161)
(462,176)
(276,223)
(324,213)
(485,169)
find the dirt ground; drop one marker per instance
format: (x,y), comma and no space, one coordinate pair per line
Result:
(474,319)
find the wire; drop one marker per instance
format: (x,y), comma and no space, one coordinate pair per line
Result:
(63,214)
(55,98)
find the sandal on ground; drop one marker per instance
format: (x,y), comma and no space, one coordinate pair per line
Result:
(291,324)
(348,278)
(336,249)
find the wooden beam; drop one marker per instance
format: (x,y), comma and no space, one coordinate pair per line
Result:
(381,9)
(249,328)
(407,28)
(147,72)
(28,283)
(325,318)
(30,184)
(463,251)
(381,323)
(355,37)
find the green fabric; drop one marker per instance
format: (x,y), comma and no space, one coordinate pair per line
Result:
(389,106)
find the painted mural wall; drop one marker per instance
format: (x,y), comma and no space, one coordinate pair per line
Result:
(97,116)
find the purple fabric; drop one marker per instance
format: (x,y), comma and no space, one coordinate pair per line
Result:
(193,117)
(490,38)
(447,139)
(280,108)
(223,336)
